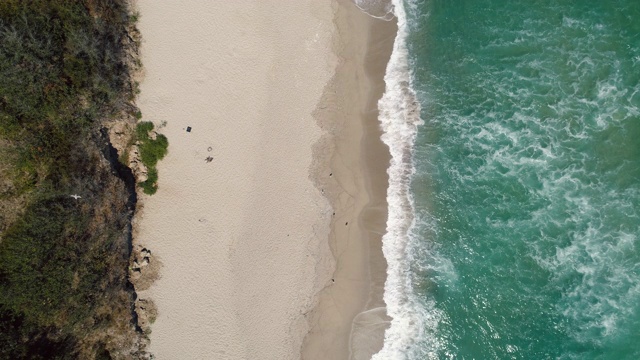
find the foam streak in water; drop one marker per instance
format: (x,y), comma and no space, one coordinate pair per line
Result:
(379,9)
(399,117)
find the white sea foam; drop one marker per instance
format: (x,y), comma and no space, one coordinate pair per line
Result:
(379,9)
(399,117)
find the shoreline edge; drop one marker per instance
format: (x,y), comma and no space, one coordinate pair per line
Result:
(350,168)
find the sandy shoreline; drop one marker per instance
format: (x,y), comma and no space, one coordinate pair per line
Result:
(243,238)
(350,318)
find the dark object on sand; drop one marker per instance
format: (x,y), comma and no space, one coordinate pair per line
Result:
(209,148)
(209,159)
(188,128)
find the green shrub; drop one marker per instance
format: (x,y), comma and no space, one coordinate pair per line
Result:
(151,151)
(150,186)
(143,129)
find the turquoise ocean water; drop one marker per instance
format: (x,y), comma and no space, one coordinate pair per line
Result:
(514,228)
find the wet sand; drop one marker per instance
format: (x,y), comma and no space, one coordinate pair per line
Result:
(350,318)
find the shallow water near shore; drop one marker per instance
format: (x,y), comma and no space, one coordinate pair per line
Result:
(518,236)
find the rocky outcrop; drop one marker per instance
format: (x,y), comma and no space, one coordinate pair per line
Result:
(147,313)
(144,268)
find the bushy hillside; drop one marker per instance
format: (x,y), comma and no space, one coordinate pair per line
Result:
(65,69)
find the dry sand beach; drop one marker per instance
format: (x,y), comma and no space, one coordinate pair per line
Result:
(248,241)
